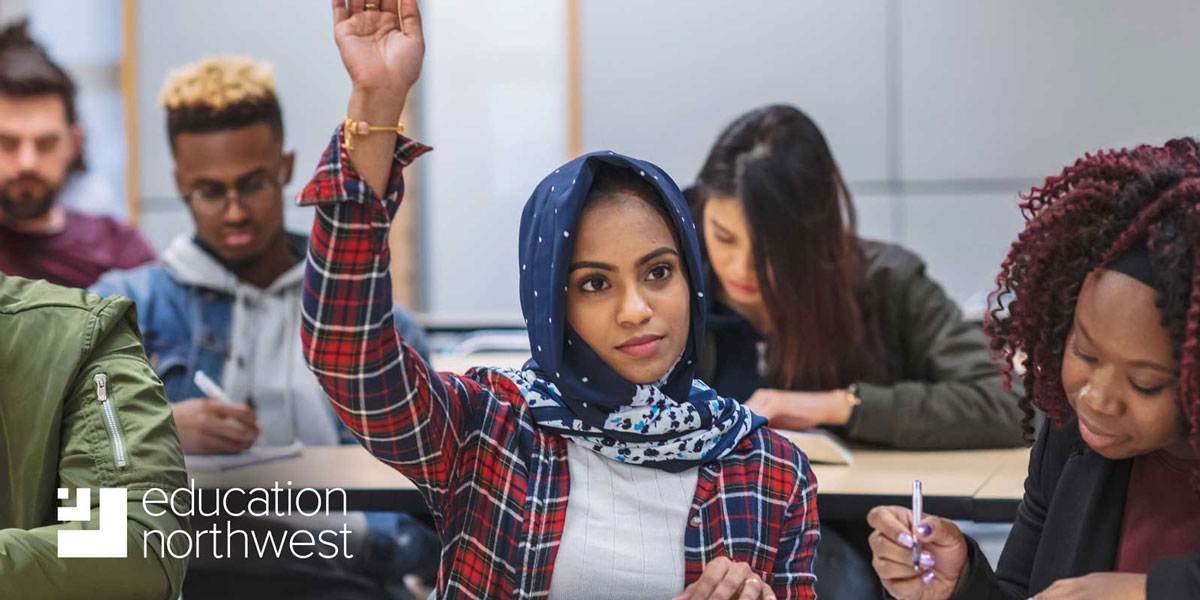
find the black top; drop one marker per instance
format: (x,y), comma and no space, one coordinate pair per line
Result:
(741,348)
(1069,525)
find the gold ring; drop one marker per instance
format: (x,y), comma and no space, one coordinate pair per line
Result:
(371,6)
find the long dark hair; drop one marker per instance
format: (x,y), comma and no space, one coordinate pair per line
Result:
(802,230)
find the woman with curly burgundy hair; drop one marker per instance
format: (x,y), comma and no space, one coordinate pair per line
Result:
(1102,293)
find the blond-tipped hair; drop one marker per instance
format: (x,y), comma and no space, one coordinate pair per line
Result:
(220,92)
(217,82)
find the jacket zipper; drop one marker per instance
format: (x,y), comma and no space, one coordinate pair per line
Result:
(110,418)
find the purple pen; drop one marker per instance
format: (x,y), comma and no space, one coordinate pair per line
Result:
(917,509)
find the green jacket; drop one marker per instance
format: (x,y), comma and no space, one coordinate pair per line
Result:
(932,383)
(81,408)
(937,385)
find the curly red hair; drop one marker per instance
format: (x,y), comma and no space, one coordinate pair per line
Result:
(1091,213)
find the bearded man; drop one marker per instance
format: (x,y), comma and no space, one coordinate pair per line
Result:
(41,144)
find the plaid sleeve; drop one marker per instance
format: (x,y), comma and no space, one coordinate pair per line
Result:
(793,577)
(395,404)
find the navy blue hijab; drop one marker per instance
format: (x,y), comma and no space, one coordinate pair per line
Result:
(673,424)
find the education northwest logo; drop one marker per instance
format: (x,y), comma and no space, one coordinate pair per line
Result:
(108,536)
(109,540)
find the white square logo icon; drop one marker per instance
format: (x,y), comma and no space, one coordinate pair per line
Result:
(109,540)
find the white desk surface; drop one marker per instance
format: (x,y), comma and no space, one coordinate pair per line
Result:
(461,364)
(957,473)
(1008,481)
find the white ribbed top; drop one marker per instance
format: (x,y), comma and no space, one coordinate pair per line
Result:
(623,535)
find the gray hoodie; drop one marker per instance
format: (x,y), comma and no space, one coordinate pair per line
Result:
(265,363)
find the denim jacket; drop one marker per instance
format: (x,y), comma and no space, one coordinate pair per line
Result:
(187,307)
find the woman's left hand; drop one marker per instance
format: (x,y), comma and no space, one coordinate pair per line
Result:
(382,48)
(1097,586)
(724,579)
(800,411)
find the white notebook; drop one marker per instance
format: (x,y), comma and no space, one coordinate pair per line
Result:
(820,446)
(254,456)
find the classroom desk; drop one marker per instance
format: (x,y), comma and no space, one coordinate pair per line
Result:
(369,484)
(953,481)
(993,501)
(439,322)
(456,363)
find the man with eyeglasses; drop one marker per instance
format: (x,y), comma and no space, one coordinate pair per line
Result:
(226,301)
(41,146)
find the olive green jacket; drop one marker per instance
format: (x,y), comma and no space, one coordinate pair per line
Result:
(937,385)
(81,408)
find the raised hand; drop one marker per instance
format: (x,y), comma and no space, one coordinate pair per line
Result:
(382,47)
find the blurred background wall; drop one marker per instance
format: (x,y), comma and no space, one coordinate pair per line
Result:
(939,111)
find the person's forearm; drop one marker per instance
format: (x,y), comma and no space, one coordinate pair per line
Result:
(30,567)
(793,576)
(372,154)
(405,413)
(942,415)
(801,411)
(348,304)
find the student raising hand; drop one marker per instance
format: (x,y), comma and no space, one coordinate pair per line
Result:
(607,258)
(382,47)
(381,44)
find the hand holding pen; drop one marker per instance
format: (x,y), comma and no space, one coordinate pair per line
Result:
(213,424)
(917,556)
(214,391)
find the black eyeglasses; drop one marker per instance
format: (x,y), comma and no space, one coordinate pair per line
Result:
(253,191)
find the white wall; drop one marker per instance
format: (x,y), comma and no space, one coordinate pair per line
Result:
(1016,89)
(939,111)
(494,105)
(661,79)
(13,9)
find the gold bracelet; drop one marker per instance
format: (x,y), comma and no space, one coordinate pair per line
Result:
(353,128)
(850,395)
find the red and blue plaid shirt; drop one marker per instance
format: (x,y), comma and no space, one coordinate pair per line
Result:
(496,484)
